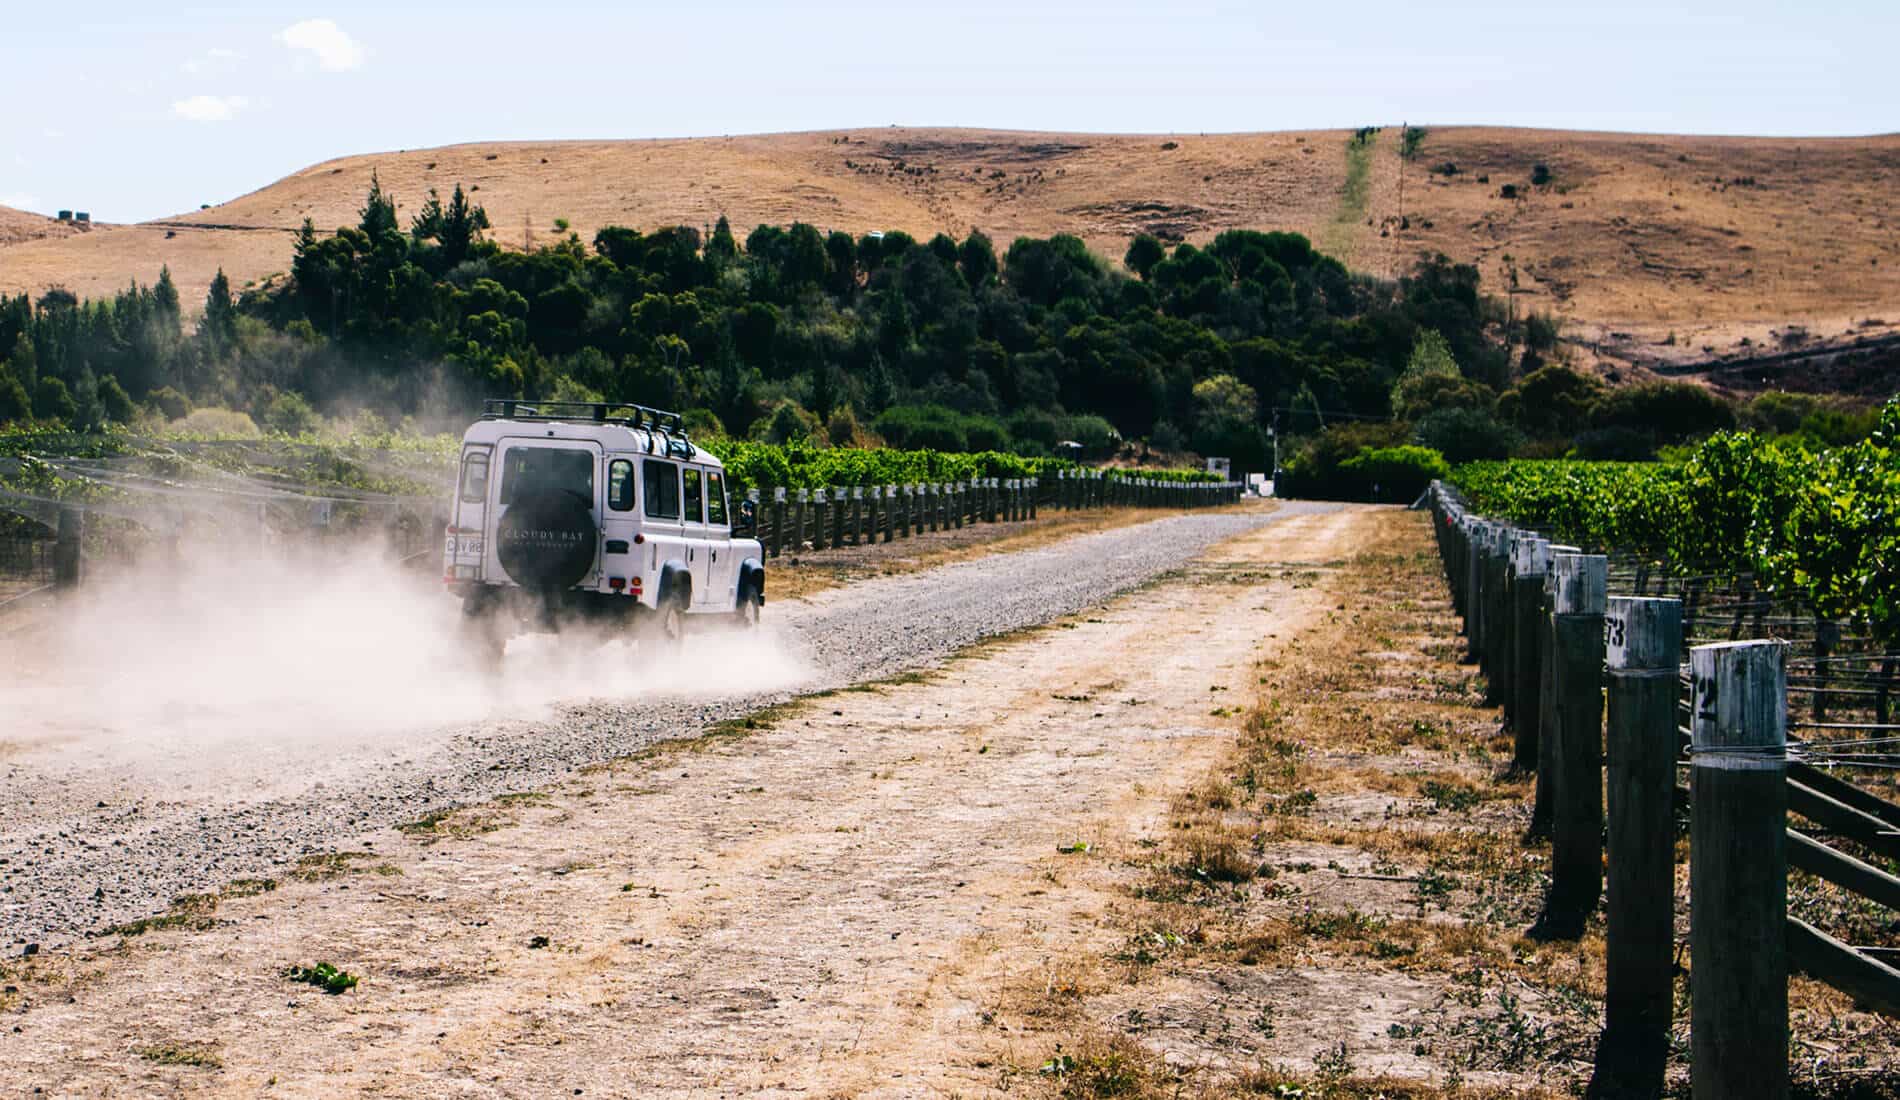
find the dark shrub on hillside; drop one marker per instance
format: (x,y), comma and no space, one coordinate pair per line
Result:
(1550,402)
(1466,435)
(1667,412)
(922,427)
(1615,445)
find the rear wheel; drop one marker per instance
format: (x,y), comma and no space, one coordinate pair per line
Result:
(672,625)
(483,638)
(747,613)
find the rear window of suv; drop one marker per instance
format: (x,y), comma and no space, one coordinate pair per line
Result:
(528,470)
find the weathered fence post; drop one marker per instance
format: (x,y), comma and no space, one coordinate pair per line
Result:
(778,521)
(1544,805)
(1035,489)
(1738,870)
(68,553)
(1474,591)
(1642,643)
(1576,848)
(1528,570)
(798,520)
(838,498)
(1498,618)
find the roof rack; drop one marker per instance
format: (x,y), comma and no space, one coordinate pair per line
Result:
(586,412)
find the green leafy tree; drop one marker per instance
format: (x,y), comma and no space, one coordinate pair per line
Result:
(53,401)
(1144,252)
(15,404)
(114,404)
(976,257)
(1551,402)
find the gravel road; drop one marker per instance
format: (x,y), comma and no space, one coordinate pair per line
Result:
(91,836)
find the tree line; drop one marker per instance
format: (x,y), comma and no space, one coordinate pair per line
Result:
(826,337)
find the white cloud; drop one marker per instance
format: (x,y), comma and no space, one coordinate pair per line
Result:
(209,108)
(335,51)
(19,200)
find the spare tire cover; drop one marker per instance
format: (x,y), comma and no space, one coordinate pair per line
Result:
(546,539)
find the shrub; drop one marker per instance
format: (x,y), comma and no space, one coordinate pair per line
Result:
(113,402)
(171,404)
(922,427)
(217,423)
(843,430)
(788,422)
(1466,435)
(1551,401)
(703,424)
(53,401)
(1034,426)
(1096,435)
(290,414)
(1665,412)
(1394,474)
(1540,175)
(15,405)
(1316,470)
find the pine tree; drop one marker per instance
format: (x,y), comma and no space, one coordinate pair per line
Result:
(218,326)
(378,215)
(722,246)
(165,297)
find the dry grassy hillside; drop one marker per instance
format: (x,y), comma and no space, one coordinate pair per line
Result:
(20,226)
(1711,239)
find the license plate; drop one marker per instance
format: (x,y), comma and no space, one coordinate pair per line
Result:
(469,547)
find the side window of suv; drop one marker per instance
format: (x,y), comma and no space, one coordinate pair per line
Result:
(693,512)
(661,483)
(620,485)
(715,499)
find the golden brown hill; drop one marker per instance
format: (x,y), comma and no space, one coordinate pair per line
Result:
(20,226)
(1708,239)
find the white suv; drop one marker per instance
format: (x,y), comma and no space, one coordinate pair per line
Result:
(571,510)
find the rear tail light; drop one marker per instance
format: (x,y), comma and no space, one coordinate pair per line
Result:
(635,587)
(616,583)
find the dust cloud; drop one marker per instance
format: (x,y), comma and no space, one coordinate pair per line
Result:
(268,661)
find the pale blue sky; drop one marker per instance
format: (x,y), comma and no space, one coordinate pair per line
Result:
(136,110)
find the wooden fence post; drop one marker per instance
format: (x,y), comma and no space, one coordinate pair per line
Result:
(1035,489)
(778,521)
(1642,643)
(68,547)
(1528,570)
(838,498)
(1544,806)
(1576,848)
(1738,870)
(1498,618)
(1474,590)
(798,520)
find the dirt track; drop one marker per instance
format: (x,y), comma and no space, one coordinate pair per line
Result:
(840,902)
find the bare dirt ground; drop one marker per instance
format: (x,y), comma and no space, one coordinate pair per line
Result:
(1247,830)
(847,899)
(1709,240)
